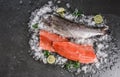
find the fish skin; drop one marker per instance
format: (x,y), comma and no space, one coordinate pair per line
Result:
(70,29)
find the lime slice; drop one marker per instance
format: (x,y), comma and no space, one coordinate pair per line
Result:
(51,59)
(98,19)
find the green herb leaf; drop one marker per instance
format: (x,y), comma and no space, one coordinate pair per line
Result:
(67,65)
(46,53)
(76,64)
(76,13)
(73,64)
(35,25)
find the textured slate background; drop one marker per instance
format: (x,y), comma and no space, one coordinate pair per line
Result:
(14,16)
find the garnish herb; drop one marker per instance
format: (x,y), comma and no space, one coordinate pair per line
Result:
(76,64)
(72,64)
(46,53)
(76,13)
(35,26)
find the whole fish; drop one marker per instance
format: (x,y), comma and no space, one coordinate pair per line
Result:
(70,29)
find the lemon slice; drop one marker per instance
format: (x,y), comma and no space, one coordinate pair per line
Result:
(60,10)
(51,59)
(98,19)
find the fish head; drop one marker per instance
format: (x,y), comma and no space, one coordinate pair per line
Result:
(106,30)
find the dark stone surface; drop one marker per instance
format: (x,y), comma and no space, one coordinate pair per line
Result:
(14,16)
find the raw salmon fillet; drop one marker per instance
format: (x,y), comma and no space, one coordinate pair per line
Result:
(55,43)
(47,38)
(81,53)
